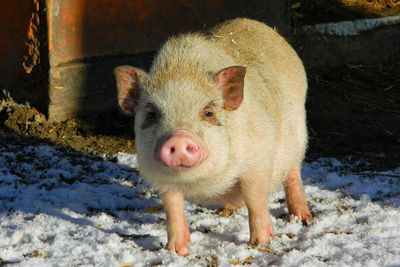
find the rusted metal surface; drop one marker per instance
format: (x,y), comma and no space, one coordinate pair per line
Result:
(32,43)
(86,39)
(91,28)
(20,50)
(59,54)
(86,89)
(73,45)
(14,21)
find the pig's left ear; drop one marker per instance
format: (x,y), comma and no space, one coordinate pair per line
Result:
(129,82)
(230,81)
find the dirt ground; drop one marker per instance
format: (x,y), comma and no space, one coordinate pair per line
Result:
(353,114)
(108,133)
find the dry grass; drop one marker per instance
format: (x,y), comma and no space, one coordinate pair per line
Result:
(377,7)
(309,12)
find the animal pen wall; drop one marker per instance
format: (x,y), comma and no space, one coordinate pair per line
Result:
(58,55)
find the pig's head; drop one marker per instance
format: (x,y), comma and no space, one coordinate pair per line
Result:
(181,123)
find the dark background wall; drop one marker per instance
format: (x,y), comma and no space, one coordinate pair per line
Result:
(58,55)
(87,39)
(20,57)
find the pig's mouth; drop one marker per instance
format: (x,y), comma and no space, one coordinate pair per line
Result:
(184,164)
(180,168)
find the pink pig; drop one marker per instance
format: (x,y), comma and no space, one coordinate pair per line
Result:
(220,119)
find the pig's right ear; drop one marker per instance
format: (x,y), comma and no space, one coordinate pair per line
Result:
(129,81)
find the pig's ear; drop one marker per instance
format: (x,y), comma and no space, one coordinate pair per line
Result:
(128,85)
(230,81)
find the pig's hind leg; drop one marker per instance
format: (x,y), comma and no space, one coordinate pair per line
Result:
(295,197)
(231,201)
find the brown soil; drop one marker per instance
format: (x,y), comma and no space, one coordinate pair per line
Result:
(352,111)
(108,133)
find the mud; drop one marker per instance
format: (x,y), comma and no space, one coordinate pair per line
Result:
(353,115)
(107,133)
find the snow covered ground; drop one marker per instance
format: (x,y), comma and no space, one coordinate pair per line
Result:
(63,208)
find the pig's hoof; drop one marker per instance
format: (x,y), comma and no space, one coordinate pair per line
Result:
(228,210)
(180,245)
(302,213)
(262,246)
(265,248)
(225,212)
(180,250)
(263,238)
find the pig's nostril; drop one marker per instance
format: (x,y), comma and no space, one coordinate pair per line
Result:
(191,149)
(179,151)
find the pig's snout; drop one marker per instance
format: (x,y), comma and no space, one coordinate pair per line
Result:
(181,152)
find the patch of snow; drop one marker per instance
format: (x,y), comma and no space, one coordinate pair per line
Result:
(350,28)
(63,208)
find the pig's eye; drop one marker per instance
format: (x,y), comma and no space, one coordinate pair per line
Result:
(208,114)
(151,117)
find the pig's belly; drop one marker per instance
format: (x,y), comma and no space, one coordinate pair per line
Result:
(233,197)
(215,191)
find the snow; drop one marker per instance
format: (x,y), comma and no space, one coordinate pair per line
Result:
(59,207)
(350,28)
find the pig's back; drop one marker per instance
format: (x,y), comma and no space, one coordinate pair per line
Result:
(260,48)
(276,80)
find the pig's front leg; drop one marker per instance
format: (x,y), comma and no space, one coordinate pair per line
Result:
(177,227)
(254,190)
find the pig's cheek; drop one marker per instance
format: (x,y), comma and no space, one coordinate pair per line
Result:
(204,153)
(145,146)
(217,152)
(147,167)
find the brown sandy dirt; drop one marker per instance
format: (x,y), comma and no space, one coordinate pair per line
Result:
(108,133)
(353,114)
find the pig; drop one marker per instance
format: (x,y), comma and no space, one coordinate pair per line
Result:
(220,119)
